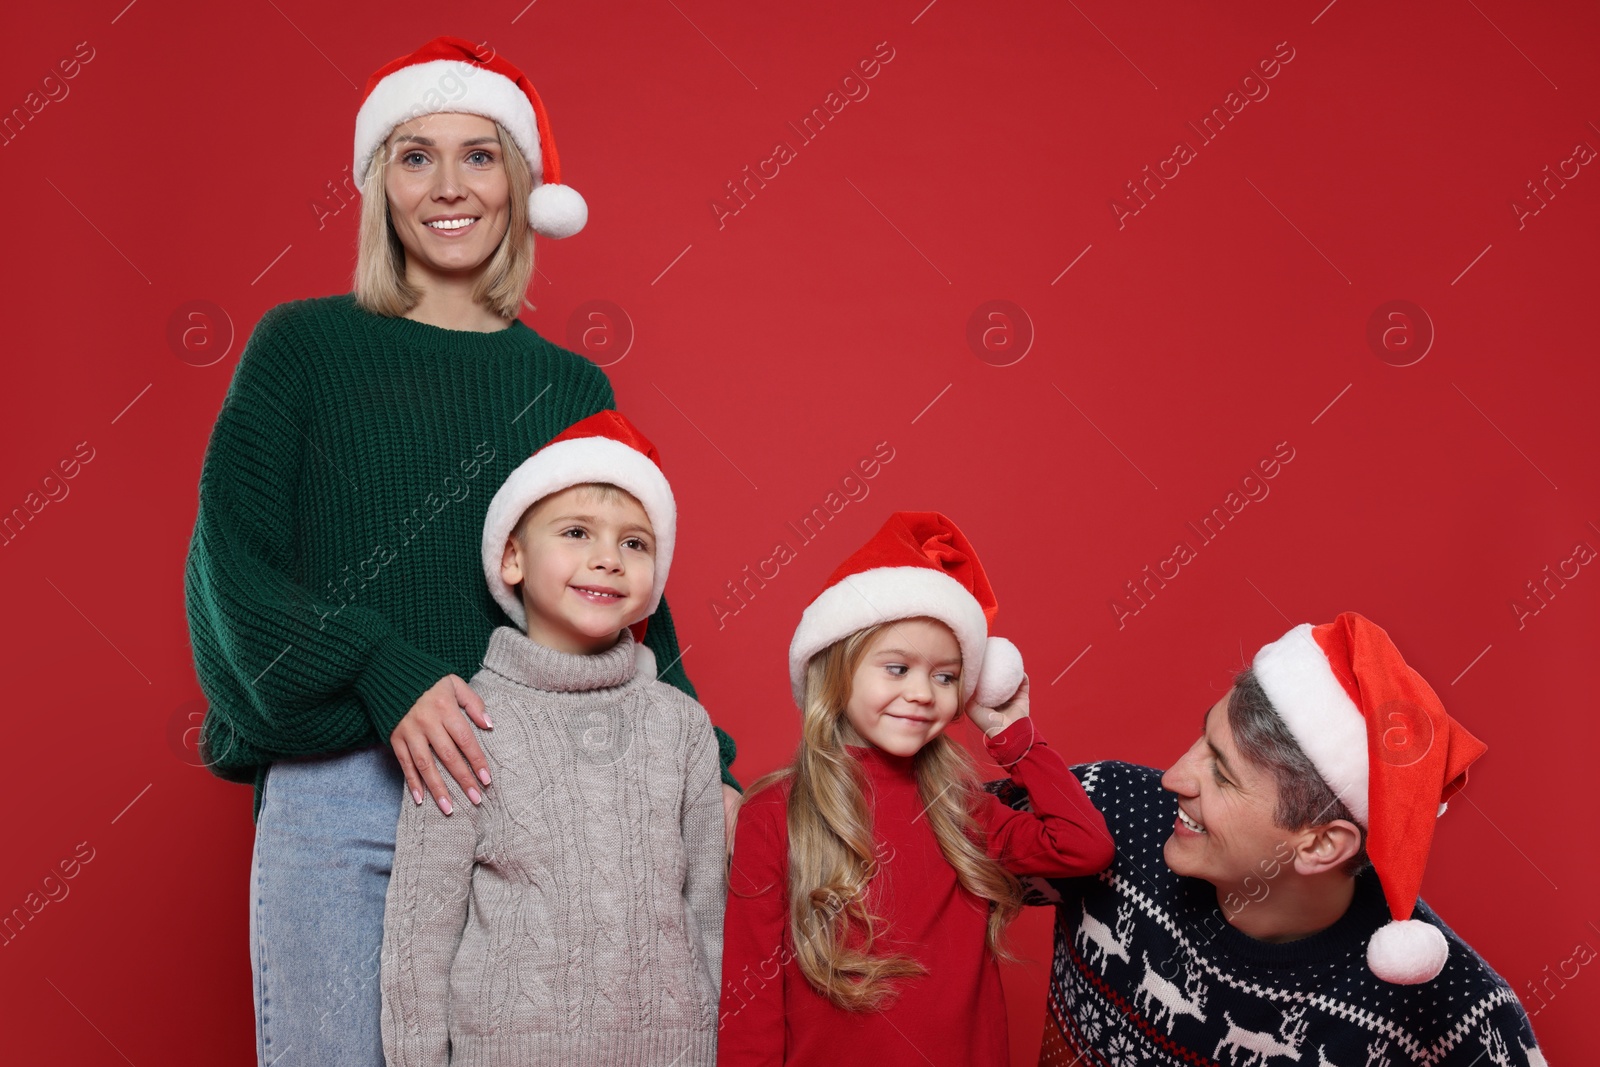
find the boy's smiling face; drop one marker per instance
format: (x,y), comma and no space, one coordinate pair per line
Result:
(585,561)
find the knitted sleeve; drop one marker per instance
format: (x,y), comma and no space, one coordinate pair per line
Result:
(425,913)
(705,849)
(286,674)
(1064,836)
(751,1029)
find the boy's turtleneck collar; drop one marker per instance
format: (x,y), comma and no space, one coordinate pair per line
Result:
(880,764)
(517,657)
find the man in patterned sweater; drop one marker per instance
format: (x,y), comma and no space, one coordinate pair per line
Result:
(1262,908)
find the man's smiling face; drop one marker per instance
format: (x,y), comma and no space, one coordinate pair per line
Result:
(1225,824)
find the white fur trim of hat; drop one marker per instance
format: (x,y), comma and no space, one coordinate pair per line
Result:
(449,75)
(991,667)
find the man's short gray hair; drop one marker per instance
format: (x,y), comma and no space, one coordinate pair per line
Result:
(1304,799)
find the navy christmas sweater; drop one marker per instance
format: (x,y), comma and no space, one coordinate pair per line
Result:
(1148,971)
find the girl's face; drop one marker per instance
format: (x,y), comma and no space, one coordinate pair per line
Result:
(449,200)
(906,689)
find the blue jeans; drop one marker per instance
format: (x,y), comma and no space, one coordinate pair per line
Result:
(324,848)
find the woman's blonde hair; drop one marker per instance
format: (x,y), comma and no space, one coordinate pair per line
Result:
(832,855)
(380,280)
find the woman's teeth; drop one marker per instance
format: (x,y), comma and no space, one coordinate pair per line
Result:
(450,224)
(1189,823)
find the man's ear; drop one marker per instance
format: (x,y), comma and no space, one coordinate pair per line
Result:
(1327,848)
(511,563)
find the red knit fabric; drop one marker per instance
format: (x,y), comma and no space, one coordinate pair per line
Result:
(956,1013)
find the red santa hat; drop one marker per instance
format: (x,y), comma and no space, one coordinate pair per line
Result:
(1379,737)
(449,74)
(919,565)
(605,447)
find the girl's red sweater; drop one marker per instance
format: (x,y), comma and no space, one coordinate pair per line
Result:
(954,1014)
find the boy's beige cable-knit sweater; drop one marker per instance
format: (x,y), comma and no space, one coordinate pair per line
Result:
(576,916)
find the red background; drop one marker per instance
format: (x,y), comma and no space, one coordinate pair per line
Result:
(826,316)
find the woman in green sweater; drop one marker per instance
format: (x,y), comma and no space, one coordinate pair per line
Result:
(333,581)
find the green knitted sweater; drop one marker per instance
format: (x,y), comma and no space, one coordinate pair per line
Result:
(335,571)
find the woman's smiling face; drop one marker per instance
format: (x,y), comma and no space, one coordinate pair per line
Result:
(449,199)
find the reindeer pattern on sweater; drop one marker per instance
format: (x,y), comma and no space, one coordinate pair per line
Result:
(1148,972)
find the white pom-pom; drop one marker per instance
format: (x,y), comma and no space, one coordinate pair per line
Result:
(556,211)
(1408,952)
(1002,673)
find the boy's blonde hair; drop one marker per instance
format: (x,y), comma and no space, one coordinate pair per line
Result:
(832,855)
(380,278)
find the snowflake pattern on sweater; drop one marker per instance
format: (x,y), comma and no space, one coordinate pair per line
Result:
(1148,971)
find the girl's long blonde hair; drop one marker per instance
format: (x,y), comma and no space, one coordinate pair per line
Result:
(380,279)
(832,856)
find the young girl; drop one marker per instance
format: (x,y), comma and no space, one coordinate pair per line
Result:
(871,880)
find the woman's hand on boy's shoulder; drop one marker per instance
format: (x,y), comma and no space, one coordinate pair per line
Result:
(437,728)
(993,720)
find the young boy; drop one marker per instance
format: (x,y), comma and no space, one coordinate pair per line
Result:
(575,916)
